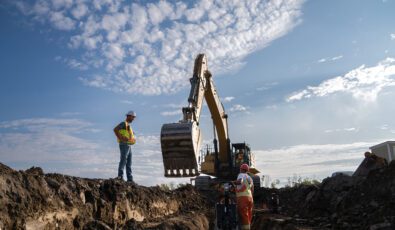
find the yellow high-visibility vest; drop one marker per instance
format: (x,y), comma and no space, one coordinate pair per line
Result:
(246,185)
(128,133)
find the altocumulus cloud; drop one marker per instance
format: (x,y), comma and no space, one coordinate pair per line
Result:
(363,83)
(148,48)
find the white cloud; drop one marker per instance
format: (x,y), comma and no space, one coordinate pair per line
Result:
(70,114)
(322,60)
(47,140)
(238,108)
(384,127)
(79,11)
(171,113)
(194,14)
(127,102)
(363,83)
(95,81)
(392,36)
(41,124)
(267,86)
(114,52)
(299,96)
(112,35)
(58,4)
(227,99)
(72,63)
(175,106)
(23,7)
(61,22)
(41,7)
(111,22)
(313,161)
(337,58)
(351,129)
(155,14)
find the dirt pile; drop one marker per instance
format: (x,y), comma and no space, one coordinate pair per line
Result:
(340,202)
(33,200)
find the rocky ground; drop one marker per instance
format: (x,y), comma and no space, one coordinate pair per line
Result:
(33,200)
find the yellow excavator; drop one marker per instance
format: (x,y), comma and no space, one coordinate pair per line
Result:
(181,141)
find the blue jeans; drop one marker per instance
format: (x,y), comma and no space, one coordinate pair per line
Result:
(126,160)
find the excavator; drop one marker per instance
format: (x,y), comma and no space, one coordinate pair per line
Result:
(181,141)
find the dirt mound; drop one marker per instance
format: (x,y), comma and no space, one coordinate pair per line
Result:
(340,202)
(33,200)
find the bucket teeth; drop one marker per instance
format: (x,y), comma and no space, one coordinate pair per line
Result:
(180,147)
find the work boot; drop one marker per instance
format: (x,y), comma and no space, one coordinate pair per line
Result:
(131,182)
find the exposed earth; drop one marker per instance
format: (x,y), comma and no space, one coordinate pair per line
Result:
(31,199)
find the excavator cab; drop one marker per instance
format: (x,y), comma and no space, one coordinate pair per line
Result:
(241,153)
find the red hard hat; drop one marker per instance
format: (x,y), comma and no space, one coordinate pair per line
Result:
(244,167)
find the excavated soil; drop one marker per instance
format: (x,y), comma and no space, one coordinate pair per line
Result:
(33,200)
(340,202)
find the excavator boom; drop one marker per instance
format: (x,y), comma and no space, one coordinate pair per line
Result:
(180,142)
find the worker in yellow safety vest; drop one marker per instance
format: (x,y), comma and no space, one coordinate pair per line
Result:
(126,139)
(244,195)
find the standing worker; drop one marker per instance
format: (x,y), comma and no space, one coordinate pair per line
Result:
(126,139)
(244,192)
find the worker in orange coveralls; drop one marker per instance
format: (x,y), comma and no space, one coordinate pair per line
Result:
(244,192)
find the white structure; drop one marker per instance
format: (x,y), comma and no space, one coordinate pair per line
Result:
(385,150)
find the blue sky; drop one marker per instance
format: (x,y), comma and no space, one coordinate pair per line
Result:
(308,84)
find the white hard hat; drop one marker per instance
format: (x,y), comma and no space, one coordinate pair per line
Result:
(131,113)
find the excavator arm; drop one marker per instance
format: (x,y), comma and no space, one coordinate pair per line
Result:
(219,119)
(180,142)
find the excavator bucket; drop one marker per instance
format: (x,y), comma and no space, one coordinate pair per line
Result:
(180,144)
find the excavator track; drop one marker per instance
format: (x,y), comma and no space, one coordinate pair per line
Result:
(180,147)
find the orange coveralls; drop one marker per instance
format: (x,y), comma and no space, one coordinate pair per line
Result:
(245,201)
